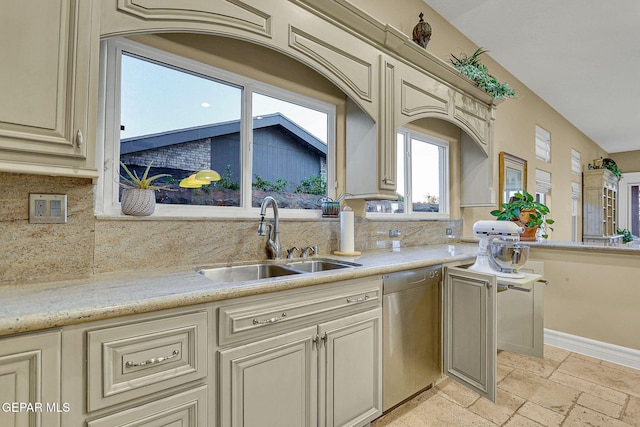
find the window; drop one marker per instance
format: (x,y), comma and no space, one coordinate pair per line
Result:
(423,177)
(183,116)
(576,165)
(543,144)
(576,192)
(543,186)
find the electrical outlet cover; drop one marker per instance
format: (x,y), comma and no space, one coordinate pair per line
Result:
(47,208)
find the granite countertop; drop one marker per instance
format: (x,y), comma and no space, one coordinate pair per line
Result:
(576,246)
(31,307)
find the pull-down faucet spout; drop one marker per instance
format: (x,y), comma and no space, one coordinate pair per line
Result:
(274,248)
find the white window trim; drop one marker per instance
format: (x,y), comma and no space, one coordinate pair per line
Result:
(444,181)
(108,148)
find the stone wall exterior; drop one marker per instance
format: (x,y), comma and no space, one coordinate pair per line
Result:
(189,156)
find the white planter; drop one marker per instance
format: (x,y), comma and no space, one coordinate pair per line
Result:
(138,202)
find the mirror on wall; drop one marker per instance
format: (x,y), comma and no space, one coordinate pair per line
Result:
(513,176)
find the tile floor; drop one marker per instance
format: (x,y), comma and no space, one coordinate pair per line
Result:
(563,389)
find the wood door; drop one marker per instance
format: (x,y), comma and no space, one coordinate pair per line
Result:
(350,370)
(270,383)
(470,329)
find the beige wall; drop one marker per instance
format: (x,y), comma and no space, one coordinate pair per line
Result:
(628,161)
(592,294)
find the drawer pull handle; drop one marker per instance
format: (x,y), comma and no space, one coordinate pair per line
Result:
(357,300)
(152,361)
(272,320)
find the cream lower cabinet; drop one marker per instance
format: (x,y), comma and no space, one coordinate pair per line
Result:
(478,320)
(144,370)
(30,380)
(319,373)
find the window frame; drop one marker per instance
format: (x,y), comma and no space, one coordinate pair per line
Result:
(108,140)
(443,161)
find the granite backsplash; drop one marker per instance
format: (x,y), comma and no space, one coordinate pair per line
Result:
(87,245)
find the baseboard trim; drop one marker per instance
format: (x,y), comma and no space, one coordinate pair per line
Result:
(598,349)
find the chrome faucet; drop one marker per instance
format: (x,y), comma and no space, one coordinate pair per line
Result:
(274,248)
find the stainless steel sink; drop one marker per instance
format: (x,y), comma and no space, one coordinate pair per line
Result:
(245,273)
(315,265)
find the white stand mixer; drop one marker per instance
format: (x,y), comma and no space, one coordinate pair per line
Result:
(508,232)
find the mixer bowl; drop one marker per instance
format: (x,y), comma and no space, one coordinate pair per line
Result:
(509,256)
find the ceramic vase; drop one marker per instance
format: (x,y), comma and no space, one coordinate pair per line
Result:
(138,202)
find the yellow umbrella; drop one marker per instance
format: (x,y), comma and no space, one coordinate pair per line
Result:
(200,178)
(193,182)
(208,175)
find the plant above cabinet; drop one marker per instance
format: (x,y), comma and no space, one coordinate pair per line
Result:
(472,68)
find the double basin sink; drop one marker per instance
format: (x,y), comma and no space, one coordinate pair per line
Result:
(245,273)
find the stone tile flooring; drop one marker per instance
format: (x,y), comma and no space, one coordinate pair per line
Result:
(563,389)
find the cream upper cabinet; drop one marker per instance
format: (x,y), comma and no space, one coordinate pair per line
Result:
(388,79)
(30,376)
(48,83)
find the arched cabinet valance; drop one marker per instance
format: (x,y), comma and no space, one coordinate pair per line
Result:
(388,78)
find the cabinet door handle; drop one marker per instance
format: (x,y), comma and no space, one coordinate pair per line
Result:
(357,300)
(320,339)
(518,288)
(272,320)
(79,139)
(152,361)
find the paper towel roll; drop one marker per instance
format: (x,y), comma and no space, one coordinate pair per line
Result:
(346,230)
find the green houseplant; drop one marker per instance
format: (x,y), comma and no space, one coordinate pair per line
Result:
(138,194)
(523,208)
(473,69)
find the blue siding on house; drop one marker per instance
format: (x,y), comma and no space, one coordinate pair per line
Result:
(277,154)
(281,149)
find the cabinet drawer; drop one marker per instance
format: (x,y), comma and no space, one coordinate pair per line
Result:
(133,360)
(282,311)
(183,409)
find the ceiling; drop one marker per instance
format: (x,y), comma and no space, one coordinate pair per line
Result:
(581,56)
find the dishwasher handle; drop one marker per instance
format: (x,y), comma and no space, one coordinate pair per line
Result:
(404,280)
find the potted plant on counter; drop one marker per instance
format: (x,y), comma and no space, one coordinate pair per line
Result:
(525,210)
(139,196)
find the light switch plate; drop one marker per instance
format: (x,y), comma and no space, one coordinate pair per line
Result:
(47,208)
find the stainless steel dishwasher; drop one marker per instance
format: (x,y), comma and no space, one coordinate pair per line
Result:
(411,337)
